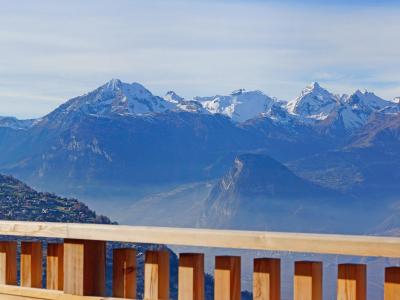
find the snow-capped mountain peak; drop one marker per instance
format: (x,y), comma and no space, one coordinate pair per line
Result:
(116,97)
(368,100)
(240,105)
(314,102)
(173,97)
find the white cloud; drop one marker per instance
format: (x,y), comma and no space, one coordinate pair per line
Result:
(51,51)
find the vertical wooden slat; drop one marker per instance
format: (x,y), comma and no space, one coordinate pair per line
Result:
(31,264)
(156,275)
(191,276)
(307,280)
(124,273)
(73,267)
(84,267)
(352,282)
(267,279)
(392,283)
(8,263)
(227,278)
(55,267)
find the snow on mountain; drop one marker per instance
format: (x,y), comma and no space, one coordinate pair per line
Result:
(173,97)
(314,106)
(314,102)
(183,104)
(240,105)
(367,100)
(117,97)
(357,108)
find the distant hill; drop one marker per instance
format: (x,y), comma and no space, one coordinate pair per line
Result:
(260,193)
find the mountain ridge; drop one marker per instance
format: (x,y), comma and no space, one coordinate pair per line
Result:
(314,104)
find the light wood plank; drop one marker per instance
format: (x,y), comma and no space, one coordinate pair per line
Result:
(267,279)
(31,264)
(307,280)
(392,283)
(124,273)
(73,267)
(84,267)
(55,267)
(257,240)
(352,282)
(156,275)
(19,293)
(227,278)
(191,276)
(8,263)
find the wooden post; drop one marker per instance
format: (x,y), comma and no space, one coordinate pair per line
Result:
(307,280)
(191,276)
(84,267)
(124,273)
(31,264)
(352,280)
(55,267)
(227,278)
(267,279)
(8,263)
(392,283)
(156,275)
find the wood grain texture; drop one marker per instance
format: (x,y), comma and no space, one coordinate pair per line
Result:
(55,267)
(8,263)
(352,282)
(227,278)
(307,280)
(31,264)
(124,273)
(73,267)
(392,283)
(191,276)
(257,240)
(23,293)
(267,279)
(156,275)
(84,267)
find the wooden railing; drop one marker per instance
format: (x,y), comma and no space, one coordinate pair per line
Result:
(75,269)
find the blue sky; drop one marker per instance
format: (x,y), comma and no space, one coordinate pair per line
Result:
(51,50)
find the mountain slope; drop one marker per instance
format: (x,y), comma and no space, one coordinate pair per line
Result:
(20,202)
(368,165)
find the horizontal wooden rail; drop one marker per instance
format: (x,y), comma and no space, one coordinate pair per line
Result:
(76,267)
(235,239)
(17,292)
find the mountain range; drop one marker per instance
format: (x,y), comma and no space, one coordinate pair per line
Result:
(256,152)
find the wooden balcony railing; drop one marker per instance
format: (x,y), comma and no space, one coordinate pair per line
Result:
(76,268)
